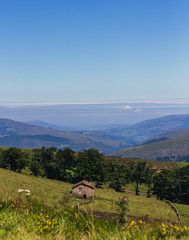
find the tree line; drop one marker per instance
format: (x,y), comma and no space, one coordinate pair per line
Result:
(90,164)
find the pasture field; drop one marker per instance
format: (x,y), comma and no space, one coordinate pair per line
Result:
(51,192)
(48,213)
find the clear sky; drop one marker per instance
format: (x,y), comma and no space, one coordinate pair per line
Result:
(93,50)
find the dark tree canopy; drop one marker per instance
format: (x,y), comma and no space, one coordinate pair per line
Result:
(15,159)
(91,166)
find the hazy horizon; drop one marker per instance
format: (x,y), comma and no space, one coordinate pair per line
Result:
(91,115)
(86,63)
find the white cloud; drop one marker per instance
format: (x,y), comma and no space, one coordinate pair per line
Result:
(127,107)
(138,110)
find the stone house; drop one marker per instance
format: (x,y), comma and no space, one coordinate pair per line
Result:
(84,189)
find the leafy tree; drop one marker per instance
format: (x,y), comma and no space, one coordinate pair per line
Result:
(36,165)
(53,163)
(182,175)
(149,178)
(48,162)
(43,163)
(117,176)
(2,159)
(90,166)
(65,161)
(138,175)
(15,158)
(167,186)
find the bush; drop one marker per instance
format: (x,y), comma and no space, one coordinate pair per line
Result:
(123,208)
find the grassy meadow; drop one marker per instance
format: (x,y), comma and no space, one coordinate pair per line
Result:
(51,192)
(43,215)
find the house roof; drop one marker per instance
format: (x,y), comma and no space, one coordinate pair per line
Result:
(85,183)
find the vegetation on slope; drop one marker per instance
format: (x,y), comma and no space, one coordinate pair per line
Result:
(49,212)
(65,165)
(175,149)
(167,135)
(157,165)
(51,192)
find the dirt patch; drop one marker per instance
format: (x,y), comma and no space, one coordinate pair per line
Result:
(110,215)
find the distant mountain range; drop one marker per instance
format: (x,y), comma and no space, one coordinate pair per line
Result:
(18,134)
(71,128)
(165,138)
(49,125)
(169,145)
(147,129)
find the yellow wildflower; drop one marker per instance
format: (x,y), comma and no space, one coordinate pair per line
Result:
(132,223)
(163,225)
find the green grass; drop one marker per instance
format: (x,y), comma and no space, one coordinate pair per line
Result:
(158,149)
(183,209)
(21,224)
(182,164)
(158,164)
(51,192)
(139,206)
(18,221)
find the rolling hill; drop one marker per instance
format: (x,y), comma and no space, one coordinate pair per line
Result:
(149,128)
(52,191)
(49,125)
(167,135)
(175,149)
(22,135)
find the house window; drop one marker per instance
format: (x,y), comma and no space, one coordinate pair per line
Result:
(80,190)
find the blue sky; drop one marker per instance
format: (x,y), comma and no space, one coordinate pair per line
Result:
(93,50)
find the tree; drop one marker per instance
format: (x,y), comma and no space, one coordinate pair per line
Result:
(48,162)
(117,176)
(90,166)
(138,175)
(182,175)
(167,186)
(36,165)
(149,178)
(16,159)
(65,161)
(2,159)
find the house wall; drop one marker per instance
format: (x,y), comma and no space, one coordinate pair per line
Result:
(89,192)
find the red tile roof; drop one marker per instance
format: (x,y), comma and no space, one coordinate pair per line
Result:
(85,183)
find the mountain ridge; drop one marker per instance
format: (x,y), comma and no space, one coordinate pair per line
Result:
(25,135)
(149,128)
(174,149)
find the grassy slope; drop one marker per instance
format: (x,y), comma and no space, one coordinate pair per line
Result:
(51,192)
(176,146)
(158,164)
